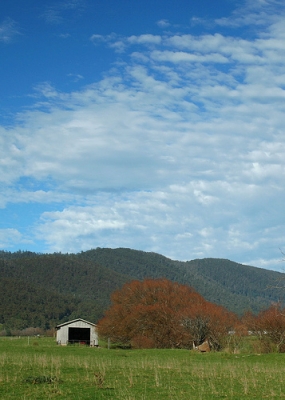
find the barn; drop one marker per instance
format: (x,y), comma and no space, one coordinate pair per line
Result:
(77,331)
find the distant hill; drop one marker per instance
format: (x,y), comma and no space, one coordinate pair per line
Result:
(46,289)
(235,286)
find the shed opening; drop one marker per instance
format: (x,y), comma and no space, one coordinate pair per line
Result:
(79,335)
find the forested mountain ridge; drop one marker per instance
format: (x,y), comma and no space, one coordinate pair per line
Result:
(67,286)
(236,286)
(46,289)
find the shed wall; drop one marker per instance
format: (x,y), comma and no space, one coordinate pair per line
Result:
(63,332)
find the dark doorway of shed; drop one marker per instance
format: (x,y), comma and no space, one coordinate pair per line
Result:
(79,335)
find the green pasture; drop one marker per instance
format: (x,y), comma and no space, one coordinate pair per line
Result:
(36,368)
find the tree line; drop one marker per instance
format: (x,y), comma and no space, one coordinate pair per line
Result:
(158,313)
(44,290)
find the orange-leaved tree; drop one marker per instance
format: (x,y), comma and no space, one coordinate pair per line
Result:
(163,314)
(269,326)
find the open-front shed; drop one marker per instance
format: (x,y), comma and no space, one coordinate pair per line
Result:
(77,331)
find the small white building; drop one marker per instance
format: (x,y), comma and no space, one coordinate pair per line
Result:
(77,331)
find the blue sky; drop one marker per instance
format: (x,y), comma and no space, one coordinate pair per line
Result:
(154,125)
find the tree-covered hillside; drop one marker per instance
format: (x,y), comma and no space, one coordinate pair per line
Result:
(43,290)
(235,286)
(46,289)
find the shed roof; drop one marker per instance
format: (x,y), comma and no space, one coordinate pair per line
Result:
(75,320)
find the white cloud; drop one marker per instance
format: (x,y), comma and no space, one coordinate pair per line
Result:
(97,38)
(188,227)
(179,150)
(180,56)
(259,13)
(57,12)
(163,23)
(8,30)
(145,39)
(47,90)
(8,237)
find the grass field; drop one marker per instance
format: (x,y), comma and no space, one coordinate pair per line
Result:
(39,369)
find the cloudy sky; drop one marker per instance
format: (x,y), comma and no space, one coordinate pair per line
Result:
(156,125)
